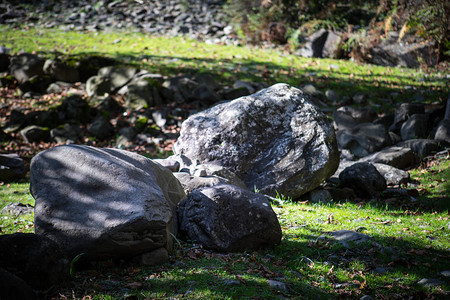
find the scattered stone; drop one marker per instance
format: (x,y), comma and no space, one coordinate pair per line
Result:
(415,127)
(347,237)
(65,133)
(445,273)
(364,179)
(74,108)
(363,139)
(278,285)
(36,84)
(422,147)
(320,196)
(34,258)
(171,164)
(347,117)
(103,202)
(403,112)
(191,183)
(323,43)
(101,128)
(392,175)
(397,157)
(231,282)
(12,167)
(228,218)
(26,65)
(35,134)
(430,282)
(152,258)
(61,71)
(17,209)
(274,140)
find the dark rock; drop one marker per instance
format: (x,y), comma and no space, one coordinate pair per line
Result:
(347,237)
(234,93)
(98,86)
(117,77)
(322,43)
(35,134)
(65,133)
(37,84)
(12,167)
(17,209)
(108,107)
(364,179)
(422,147)
(430,282)
(205,95)
(347,117)
(443,131)
(101,128)
(89,65)
(341,193)
(61,71)
(208,80)
(363,139)
(34,258)
(103,202)
(152,258)
(403,112)
(143,93)
(4,136)
(4,62)
(397,157)
(74,108)
(25,66)
(392,175)
(228,218)
(126,135)
(319,196)
(274,140)
(415,127)
(14,288)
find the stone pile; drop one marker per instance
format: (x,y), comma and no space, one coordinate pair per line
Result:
(204,20)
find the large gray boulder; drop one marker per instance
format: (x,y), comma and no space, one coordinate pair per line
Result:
(228,218)
(25,66)
(103,202)
(274,140)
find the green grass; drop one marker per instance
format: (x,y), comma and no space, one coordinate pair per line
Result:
(172,56)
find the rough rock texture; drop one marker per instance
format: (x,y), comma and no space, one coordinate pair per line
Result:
(397,157)
(364,139)
(347,117)
(36,259)
(103,202)
(364,179)
(392,175)
(274,140)
(25,66)
(415,127)
(421,147)
(228,218)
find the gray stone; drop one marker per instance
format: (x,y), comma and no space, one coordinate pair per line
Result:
(17,209)
(171,164)
(363,139)
(33,134)
(364,179)
(403,112)
(278,285)
(392,175)
(64,133)
(397,157)
(126,136)
(443,131)
(430,282)
(101,128)
(422,147)
(143,93)
(98,86)
(152,258)
(103,202)
(61,71)
(244,84)
(322,43)
(445,273)
(331,96)
(205,95)
(117,77)
(230,94)
(319,196)
(274,140)
(415,127)
(347,237)
(25,66)
(36,84)
(347,117)
(191,183)
(228,218)
(12,167)
(34,258)
(222,172)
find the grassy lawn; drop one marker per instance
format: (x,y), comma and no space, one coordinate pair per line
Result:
(408,237)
